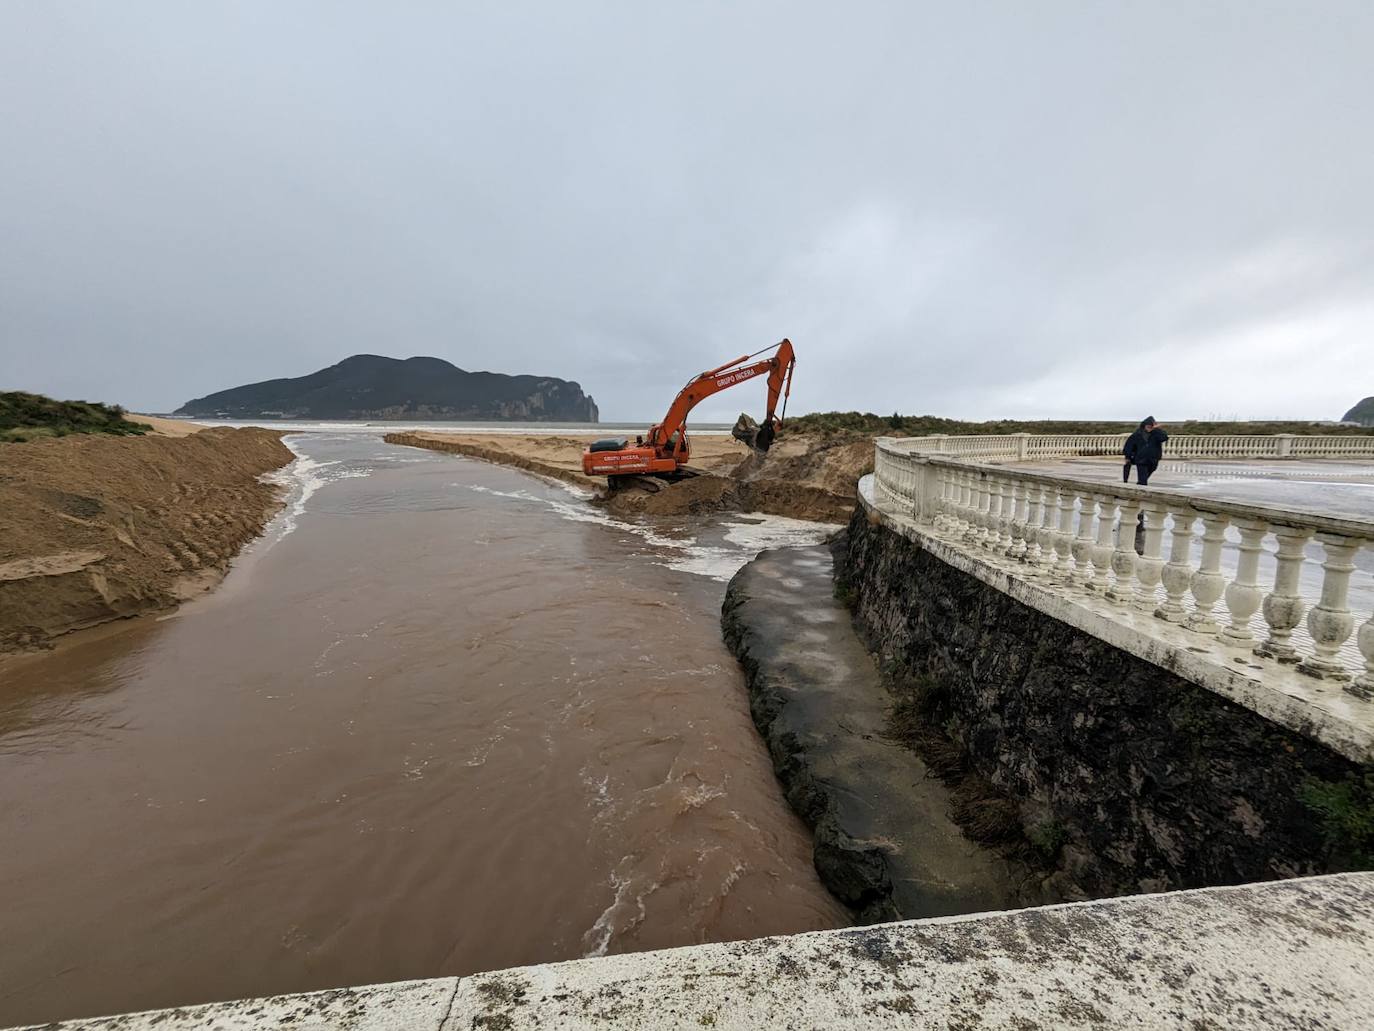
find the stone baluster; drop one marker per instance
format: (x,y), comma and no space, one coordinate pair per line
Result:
(942,502)
(1149,567)
(1207,582)
(1363,685)
(1283,607)
(994,513)
(954,507)
(1243,595)
(987,510)
(1330,621)
(977,505)
(1011,501)
(997,524)
(1044,516)
(1178,572)
(1101,553)
(1015,521)
(1063,535)
(950,525)
(971,505)
(964,526)
(1122,588)
(1082,546)
(1035,514)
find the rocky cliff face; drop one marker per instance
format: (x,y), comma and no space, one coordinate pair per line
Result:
(1362,413)
(368,386)
(1148,781)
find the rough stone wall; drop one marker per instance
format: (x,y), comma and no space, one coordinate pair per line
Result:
(1151,782)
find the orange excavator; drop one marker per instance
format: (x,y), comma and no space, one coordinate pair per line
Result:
(665,449)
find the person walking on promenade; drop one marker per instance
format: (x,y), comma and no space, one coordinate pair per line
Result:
(1144,449)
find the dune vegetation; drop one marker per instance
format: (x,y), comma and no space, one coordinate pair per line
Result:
(25,417)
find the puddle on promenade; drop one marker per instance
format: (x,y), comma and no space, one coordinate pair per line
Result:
(444,717)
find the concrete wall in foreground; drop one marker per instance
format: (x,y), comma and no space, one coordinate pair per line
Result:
(1294,954)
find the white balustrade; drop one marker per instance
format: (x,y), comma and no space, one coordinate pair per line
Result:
(1243,595)
(1082,545)
(1208,584)
(1283,607)
(1363,685)
(1063,535)
(1101,554)
(1149,568)
(1123,561)
(1331,620)
(1025,522)
(1014,447)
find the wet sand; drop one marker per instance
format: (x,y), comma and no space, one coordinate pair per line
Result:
(445,717)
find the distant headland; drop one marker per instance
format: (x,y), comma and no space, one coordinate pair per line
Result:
(369,386)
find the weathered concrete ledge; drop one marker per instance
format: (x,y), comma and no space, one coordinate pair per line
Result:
(885,844)
(1293,954)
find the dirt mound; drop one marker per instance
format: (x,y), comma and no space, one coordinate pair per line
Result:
(98,528)
(643,495)
(710,493)
(834,467)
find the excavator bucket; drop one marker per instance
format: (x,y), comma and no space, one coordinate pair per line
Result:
(750,433)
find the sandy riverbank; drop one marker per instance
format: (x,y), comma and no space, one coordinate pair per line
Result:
(100,528)
(804,476)
(167,427)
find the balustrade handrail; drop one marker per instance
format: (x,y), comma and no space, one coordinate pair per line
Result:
(1295,517)
(1023,446)
(1029,517)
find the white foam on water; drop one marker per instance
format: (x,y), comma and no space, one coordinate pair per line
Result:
(301,479)
(744,536)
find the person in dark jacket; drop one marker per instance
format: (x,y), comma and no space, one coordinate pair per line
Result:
(1144,449)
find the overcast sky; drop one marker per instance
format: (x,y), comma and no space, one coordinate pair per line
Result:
(970,209)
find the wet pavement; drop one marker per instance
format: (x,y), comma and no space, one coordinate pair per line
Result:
(1343,489)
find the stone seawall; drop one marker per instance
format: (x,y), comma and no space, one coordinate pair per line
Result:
(1142,779)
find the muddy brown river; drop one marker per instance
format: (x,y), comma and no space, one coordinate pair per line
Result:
(443,717)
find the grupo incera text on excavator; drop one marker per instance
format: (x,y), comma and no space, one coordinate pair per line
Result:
(665,449)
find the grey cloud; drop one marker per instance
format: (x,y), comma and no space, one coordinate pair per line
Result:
(974,210)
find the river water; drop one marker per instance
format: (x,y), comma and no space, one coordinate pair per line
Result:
(443,717)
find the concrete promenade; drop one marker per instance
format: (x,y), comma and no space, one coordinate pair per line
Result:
(1289,954)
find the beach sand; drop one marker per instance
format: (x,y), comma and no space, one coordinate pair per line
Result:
(166,427)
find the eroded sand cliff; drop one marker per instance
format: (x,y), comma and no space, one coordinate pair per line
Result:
(99,528)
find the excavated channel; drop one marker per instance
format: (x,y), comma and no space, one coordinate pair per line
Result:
(885,843)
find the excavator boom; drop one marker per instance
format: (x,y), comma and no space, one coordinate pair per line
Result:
(665,448)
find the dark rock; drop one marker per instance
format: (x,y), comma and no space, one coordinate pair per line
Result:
(745,430)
